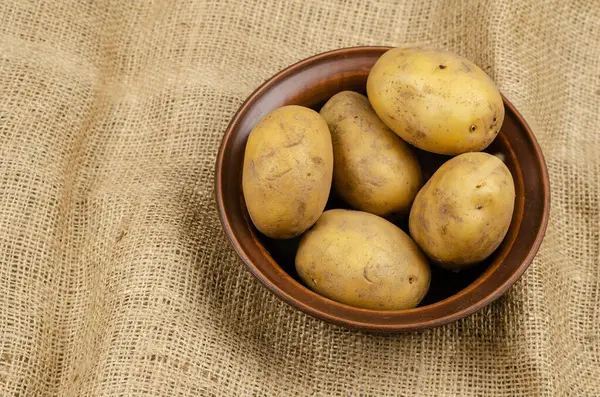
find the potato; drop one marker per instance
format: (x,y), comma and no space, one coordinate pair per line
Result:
(373,169)
(288,166)
(463,212)
(436,100)
(360,259)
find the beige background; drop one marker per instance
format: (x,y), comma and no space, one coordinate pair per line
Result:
(115,276)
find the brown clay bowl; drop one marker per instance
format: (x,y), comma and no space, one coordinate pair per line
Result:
(452,295)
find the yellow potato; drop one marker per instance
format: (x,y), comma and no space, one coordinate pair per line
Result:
(436,100)
(463,212)
(374,170)
(360,259)
(288,166)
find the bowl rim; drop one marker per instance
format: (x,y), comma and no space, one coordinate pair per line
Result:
(369,326)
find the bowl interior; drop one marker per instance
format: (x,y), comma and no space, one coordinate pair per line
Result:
(444,283)
(451,295)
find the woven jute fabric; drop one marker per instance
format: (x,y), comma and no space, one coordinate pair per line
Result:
(116,278)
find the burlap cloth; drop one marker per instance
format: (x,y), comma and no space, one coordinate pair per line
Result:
(116,278)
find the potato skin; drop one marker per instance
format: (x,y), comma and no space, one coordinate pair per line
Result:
(463,212)
(362,260)
(374,170)
(436,100)
(288,166)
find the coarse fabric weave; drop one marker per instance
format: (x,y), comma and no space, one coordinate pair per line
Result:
(116,278)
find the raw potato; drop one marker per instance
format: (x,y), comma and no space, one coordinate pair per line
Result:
(436,100)
(287,173)
(360,259)
(374,170)
(463,212)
